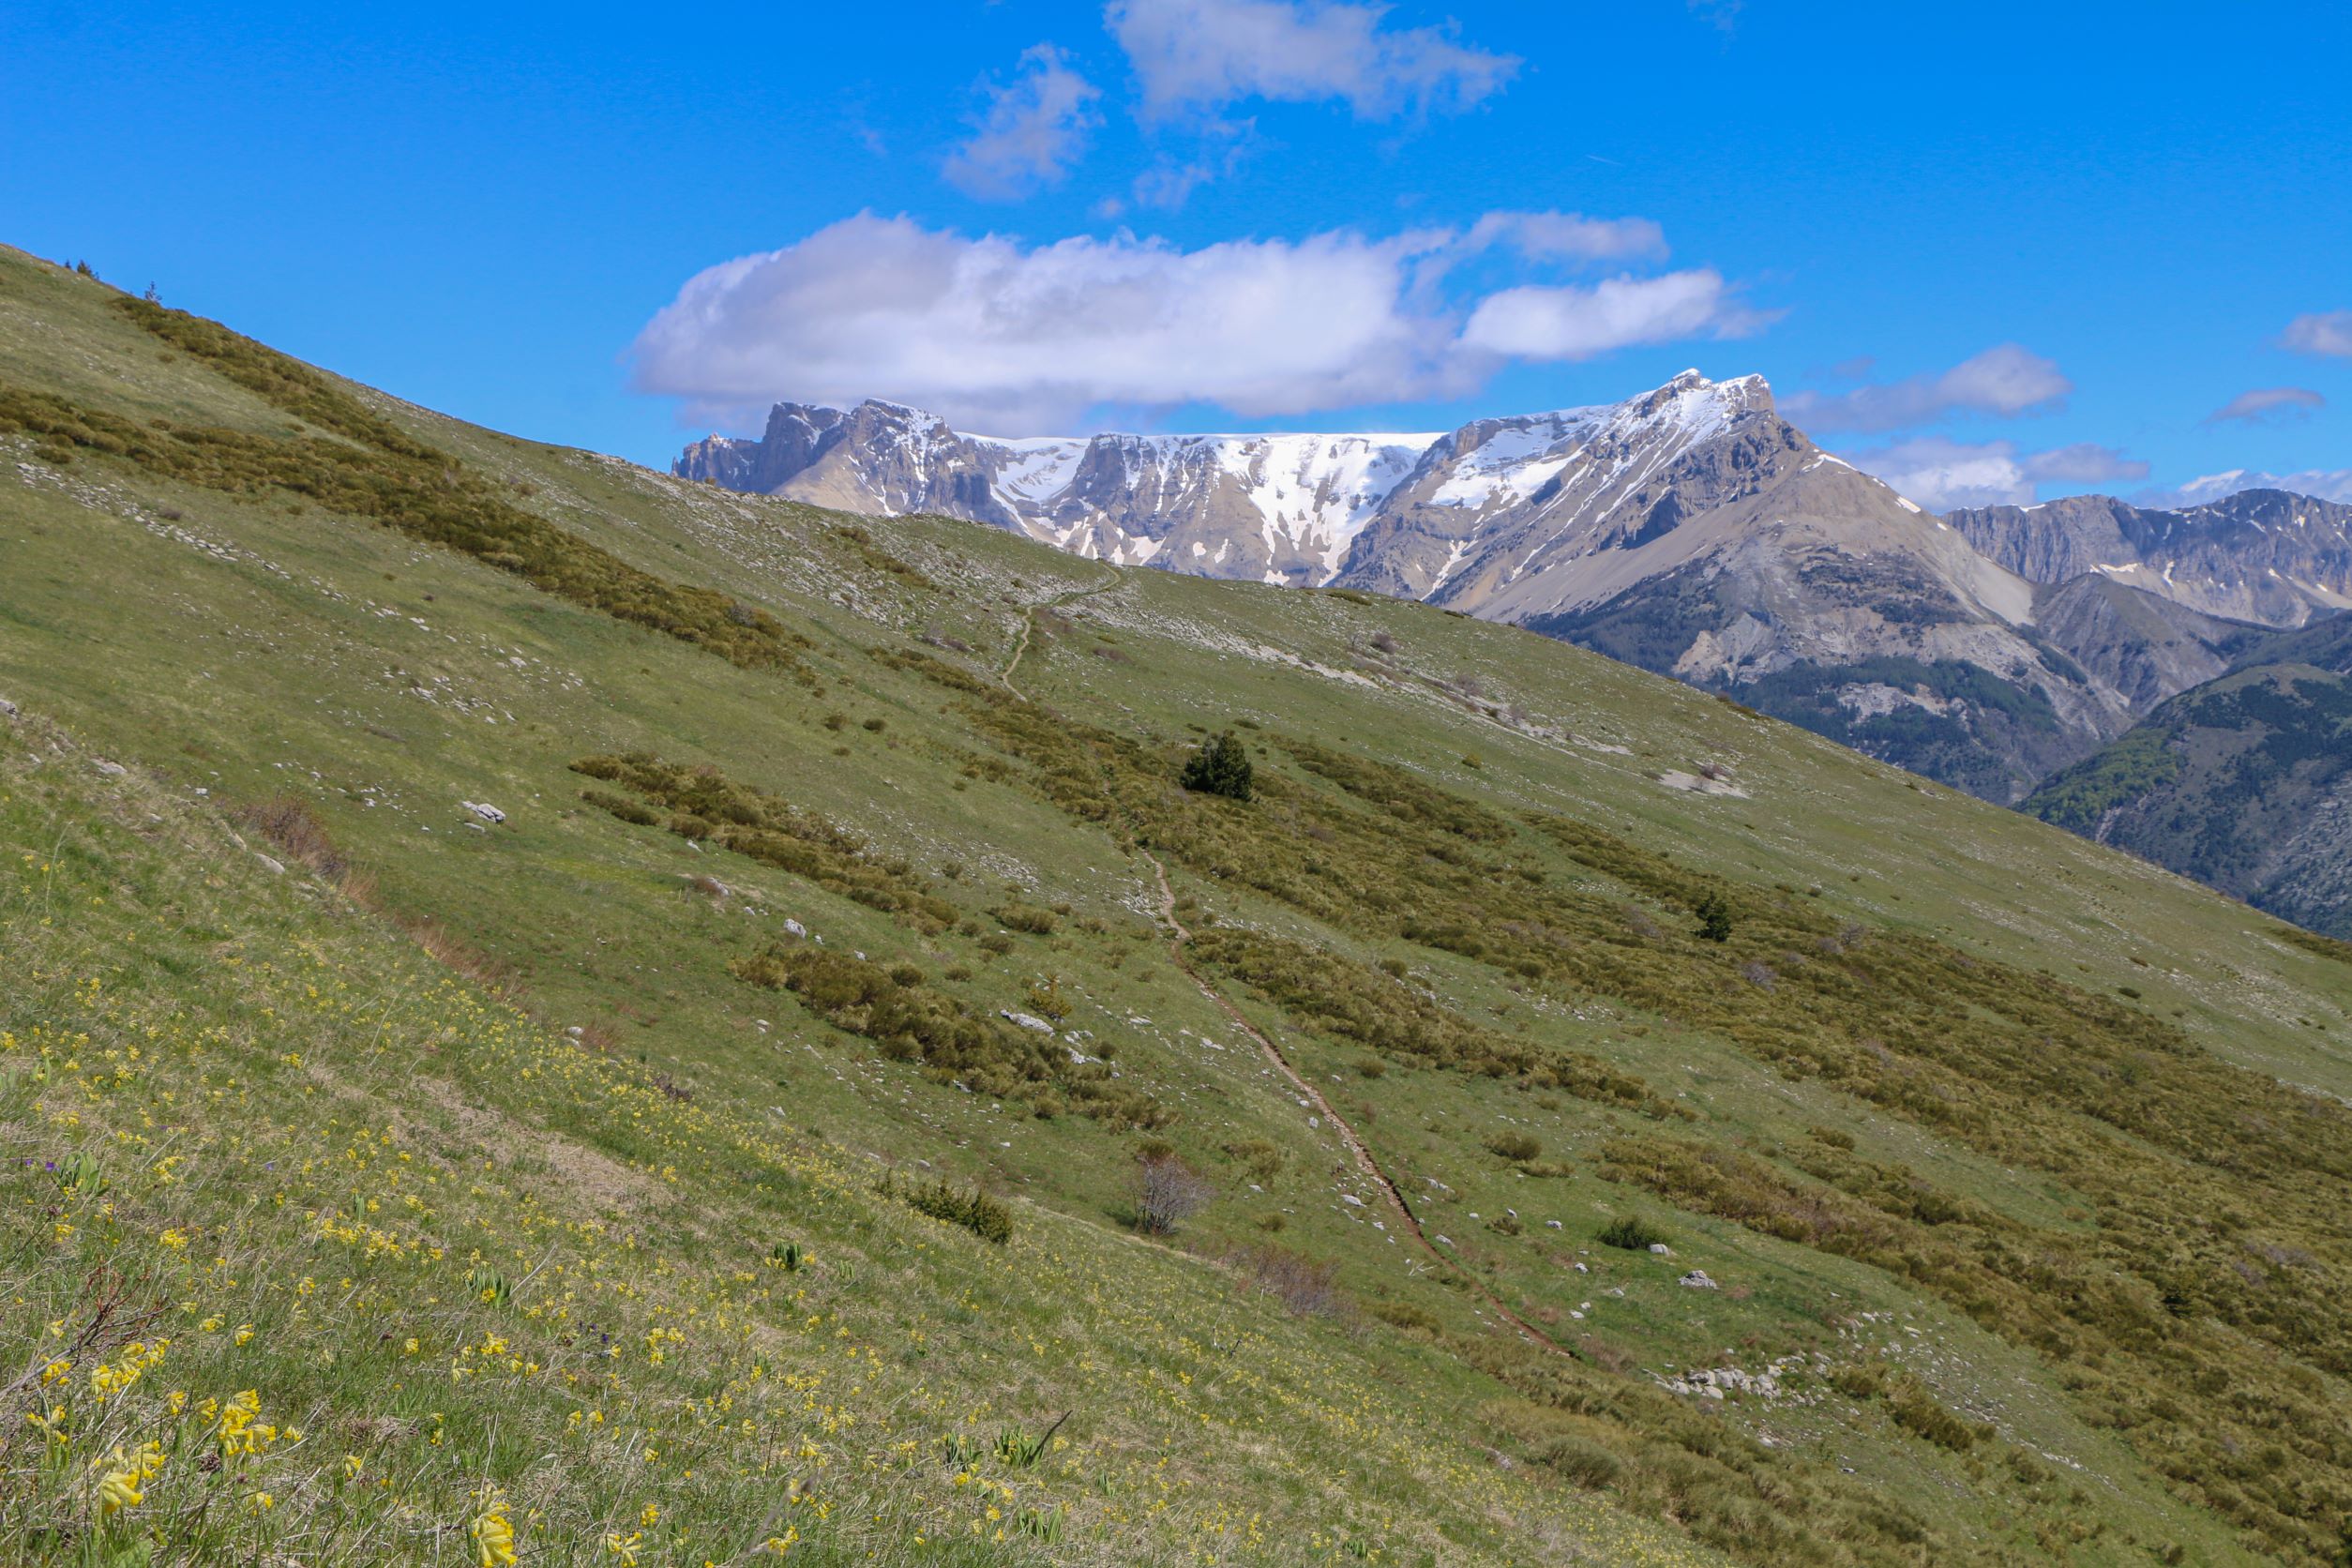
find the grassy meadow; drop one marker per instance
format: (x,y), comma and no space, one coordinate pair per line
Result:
(727,1146)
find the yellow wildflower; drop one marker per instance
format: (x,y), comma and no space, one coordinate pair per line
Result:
(493,1537)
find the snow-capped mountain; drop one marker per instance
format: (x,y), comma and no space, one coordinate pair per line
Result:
(1273,508)
(1690,529)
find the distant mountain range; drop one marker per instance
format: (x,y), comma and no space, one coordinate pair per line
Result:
(1690,529)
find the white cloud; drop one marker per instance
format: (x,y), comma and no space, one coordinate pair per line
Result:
(1568,236)
(1196,57)
(2005,380)
(2271,404)
(1034,129)
(1577,322)
(2325,482)
(2328,332)
(1940,473)
(1002,336)
(995,335)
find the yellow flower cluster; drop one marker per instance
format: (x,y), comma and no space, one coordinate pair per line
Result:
(123,1478)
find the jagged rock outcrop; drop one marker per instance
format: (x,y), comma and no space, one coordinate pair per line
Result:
(2260,555)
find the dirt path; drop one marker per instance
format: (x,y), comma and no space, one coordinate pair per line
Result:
(1028,623)
(1179,937)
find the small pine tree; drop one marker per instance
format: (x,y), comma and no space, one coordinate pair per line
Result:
(1714,918)
(1221,767)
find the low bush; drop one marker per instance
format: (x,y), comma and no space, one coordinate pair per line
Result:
(1632,1234)
(1515,1146)
(974,1210)
(914,1022)
(703,804)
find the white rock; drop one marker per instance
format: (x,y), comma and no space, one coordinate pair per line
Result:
(1661,1249)
(795,928)
(273,867)
(111,770)
(488,813)
(1025,1021)
(1351,1199)
(7,709)
(1696,1280)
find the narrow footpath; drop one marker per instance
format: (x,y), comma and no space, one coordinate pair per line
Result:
(1179,937)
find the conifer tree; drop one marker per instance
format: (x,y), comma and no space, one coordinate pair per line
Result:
(1220,767)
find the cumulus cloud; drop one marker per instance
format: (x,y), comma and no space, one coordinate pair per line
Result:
(1034,129)
(2268,404)
(2005,380)
(2328,332)
(1577,322)
(998,335)
(1197,56)
(1942,474)
(2327,484)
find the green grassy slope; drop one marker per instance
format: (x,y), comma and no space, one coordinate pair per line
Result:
(2019,1164)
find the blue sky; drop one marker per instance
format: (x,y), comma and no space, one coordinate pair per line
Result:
(1994,251)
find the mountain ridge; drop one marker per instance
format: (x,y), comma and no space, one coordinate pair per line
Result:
(1689,529)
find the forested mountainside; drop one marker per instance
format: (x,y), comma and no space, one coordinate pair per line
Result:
(2244,782)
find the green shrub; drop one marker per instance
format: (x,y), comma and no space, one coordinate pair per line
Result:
(914,1022)
(969,1207)
(1219,767)
(1261,1158)
(1918,1413)
(1632,1234)
(1515,1146)
(1028,918)
(705,805)
(1714,918)
(1586,1464)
